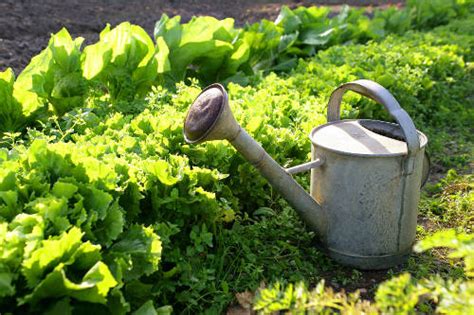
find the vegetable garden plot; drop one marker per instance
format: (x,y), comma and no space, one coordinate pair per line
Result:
(137,220)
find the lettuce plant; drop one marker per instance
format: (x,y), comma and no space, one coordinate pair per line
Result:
(121,216)
(125,61)
(54,76)
(11,110)
(204,43)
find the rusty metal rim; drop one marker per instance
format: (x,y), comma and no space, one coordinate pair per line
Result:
(423,140)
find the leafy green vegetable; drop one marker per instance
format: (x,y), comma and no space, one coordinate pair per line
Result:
(52,252)
(204,42)
(93,287)
(106,210)
(140,251)
(53,76)
(125,61)
(11,111)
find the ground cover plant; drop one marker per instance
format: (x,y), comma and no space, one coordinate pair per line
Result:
(103,207)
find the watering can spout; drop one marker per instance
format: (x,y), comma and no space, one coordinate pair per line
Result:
(210,118)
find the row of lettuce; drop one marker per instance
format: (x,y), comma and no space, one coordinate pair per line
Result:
(107,210)
(126,61)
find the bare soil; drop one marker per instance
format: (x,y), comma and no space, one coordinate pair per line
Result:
(26,25)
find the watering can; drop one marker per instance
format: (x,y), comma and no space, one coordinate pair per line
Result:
(366,174)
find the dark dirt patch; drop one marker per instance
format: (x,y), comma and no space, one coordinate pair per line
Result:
(26,25)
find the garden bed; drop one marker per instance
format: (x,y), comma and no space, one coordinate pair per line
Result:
(26,26)
(104,208)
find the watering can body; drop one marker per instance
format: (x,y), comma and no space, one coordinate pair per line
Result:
(370,203)
(369,185)
(365,174)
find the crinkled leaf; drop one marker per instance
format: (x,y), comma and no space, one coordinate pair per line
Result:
(162,170)
(9,204)
(125,60)
(6,287)
(54,209)
(54,75)
(169,29)
(66,51)
(110,228)
(288,20)
(63,189)
(97,200)
(93,287)
(62,307)
(26,232)
(198,40)
(11,111)
(141,248)
(66,249)
(314,14)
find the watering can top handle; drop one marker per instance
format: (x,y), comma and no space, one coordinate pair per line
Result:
(381,95)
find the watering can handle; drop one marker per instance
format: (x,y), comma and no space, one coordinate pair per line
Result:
(382,96)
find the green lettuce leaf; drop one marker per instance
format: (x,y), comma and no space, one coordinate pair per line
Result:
(93,287)
(17,239)
(125,61)
(148,308)
(162,170)
(288,19)
(53,76)
(12,117)
(169,29)
(6,287)
(138,252)
(203,42)
(61,249)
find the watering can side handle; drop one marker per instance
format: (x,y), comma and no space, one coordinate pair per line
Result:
(306,166)
(379,94)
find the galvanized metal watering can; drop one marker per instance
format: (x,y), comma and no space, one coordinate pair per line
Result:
(366,175)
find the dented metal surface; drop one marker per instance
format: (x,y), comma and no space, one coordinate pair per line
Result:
(365,181)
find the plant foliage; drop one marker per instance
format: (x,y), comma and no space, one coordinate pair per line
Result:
(399,295)
(104,208)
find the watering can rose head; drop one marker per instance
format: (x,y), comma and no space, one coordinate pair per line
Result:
(202,115)
(210,117)
(366,175)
